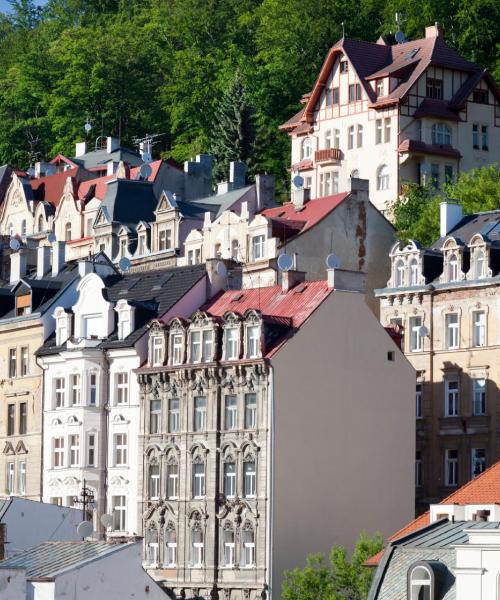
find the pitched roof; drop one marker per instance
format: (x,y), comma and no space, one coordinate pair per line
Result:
(49,559)
(486,223)
(51,187)
(417,146)
(128,201)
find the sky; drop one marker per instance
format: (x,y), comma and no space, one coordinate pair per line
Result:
(4,5)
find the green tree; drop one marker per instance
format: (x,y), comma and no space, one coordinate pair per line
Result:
(341,578)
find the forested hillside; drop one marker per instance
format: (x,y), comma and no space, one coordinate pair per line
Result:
(133,66)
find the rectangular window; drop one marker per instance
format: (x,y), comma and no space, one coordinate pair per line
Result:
(207,346)
(122,388)
(24,361)
(451,398)
(195,346)
(249,479)
(171,549)
(152,553)
(434,88)
(200,413)
(258,243)
(231,349)
(250,411)
(248,549)
(173,415)
(120,449)
(60,392)
(480,96)
(484,137)
(479,396)
(58,452)
(91,449)
(23,418)
(418,401)
(198,480)
(387,130)
(360,136)
(157,351)
(478,462)
(416,344)
(475,136)
(172,481)
(165,239)
(451,468)
(154,482)
(344,66)
(75,390)
(350,137)
(176,347)
(92,389)
(452,341)
(253,341)
(119,508)
(11,419)
(435,175)
(56,500)
(197,549)
(229,480)
(448,173)
(123,247)
(418,469)
(155,416)
(21,478)
(378,131)
(74,450)
(354,92)
(228,558)
(12,362)
(10,478)
(379,87)
(335,95)
(479,328)
(231,412)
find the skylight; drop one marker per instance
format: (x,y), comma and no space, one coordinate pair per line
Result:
(411,54)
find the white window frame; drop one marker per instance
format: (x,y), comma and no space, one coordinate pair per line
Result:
(452,331)
(451,398)
(91,449)
(200,413)
(157,351)
(59,392)
(228,549)
(93,388)
(251,411)
(253,341)
(199,480)
(479,396)
(75,381)
(154,482)
(120,449)
(174,406)
(229,475)
(383,178)
(197,549)
(122,388)
(195,350)
(258,247)
(58,452)
(11,478)
(416,340)
(248,547)
(207,345)
(231,346)
(173,481)
(155,416)
(171,549)
(250,478)
(451,468)
(478,458)
(74,450)
(119,511)
(479,328)
(177,348)
(21,479)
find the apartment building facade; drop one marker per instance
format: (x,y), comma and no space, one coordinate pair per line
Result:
(415,111)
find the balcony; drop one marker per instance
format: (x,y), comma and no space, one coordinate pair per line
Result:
(328,155)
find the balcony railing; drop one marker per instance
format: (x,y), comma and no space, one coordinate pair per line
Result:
(327,155)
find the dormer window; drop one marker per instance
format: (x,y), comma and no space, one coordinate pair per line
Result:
(441,134)
(344,66)
(258,247)
(125,319)
(157,350)
(208,346)
(67,232)
(142,244)
(400,273)
(379,86)
(63,325)
(176,348)
(164,239)
(306,149)
(23,304)
(231,344)
(195,349)
(479,264)
(453,268)
(253,341)
(414,272)
(420,583)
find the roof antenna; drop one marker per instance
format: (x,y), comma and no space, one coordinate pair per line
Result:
(343,29)
(399,35)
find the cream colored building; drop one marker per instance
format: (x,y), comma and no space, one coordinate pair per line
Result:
(415,111)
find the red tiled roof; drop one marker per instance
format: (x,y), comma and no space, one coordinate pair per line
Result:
(293,121)
(50,188)
(436,108)
(423,148)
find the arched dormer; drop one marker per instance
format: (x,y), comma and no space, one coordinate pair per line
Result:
(68,223)
(422,580)
(143,245)
(63,319)
(479,258)
(126,318)
(193,247)
(93,314)
(253,334)
(453,265)
(124,235)
(201,338)
(176,342)
(157,346)
(231,343)
(406,265)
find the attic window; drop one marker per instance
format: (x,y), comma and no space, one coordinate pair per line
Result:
(411,54)
(23,305)
(344,66)
(236,297)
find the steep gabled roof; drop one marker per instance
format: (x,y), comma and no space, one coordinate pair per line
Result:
(51,188)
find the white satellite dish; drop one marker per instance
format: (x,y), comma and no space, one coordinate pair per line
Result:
(145,171)
(332,261)
(85,529)
(51,238)
(87,127)
(107,520)
(298,181)
(285,262)
(14,244)
(423,331)
(124,264)
(220,269)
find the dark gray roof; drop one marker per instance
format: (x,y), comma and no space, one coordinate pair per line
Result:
(486,223)
(5,178)
(51,558)
(222,202)
(128,201)
(98,158)
(444,533)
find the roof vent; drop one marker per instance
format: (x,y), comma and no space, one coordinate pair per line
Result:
(411,54)
(236,297)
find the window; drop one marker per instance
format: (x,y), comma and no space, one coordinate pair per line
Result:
(416,341)
(172,481)
(231,343)
(480,137)
(10,478)
(74,450)
(478,462)
(67,232)
(354,92)
(207,346)
(250,411)
(484,137)
(229,479)
(173,415)
(435,175)
(154,482)
(198,480)
(200,413)
(248,555)
(475,136)
(123,247)
(23,417)
(194,257)
(306,149)
(171,549)
(176,348)
(56,500)
(157,351)
(253,341)
(228,557)
(418,401)
(152,551)
(12,362)
(120,449)
(231,412)
(11,419)
(400,273)
(90,226)
(441,134)
(418,469)
(420,584)
(21,478)
(452,339)
(335,95)
(92,389)
(24,361)
(379,131)
(480,96)
(61,330)
(478,328)
(479,263)
(197,549)
(23,227)
(451,468)
(60,392)
(453,268)
(451,398)
(379,87)
(414,271)
(383,178)
(359,140)
(122,388)
(40,224)
(91,450)
(479,396)
(154,416)
(448,174)
(350,137)
(235,250)
(249,479)
(258,243)
(75,389)
(165,239)
(434,88)
(328,97)
(142,244)
(119,507)
(58,450)
(328,138)
(195,346)
(387,130)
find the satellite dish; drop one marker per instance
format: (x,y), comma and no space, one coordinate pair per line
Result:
(298,181)
(400,37)
(423,331)
(87,127)
(332,261)
(124,264)
(51,238)
(85,529)
(145,171)
(424,168)
(220,269)
(14,244)
(285,262)
(106,520)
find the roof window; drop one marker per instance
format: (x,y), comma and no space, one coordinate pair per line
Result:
(411,54)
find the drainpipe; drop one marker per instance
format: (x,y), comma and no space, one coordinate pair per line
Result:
(270,479)
(431,343)
(42,445)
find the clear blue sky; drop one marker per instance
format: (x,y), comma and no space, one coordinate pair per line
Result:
(4,5)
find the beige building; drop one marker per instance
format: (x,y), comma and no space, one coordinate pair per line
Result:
(446,299)
(260,442)
(415,111)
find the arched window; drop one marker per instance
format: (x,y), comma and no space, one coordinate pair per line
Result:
(453,268)
(197,548)
(400,273)
(172,479)
(228,548)
(67,232)
(420,584)
(170,546)
(154,481)
(441,134)
(383,177)
(229,477)
(198,483)
(479,264)
(414,271)
(306,149)
(248,546)
(23,227)
(40,224)
(249,478)
(152,546)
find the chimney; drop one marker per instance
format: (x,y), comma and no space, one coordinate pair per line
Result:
(58,257)
(450,214)
(299,197)
(42,261)
(111,167)
(112,144)
(223,187)
(434,31)
(264,188)
(359,187)
(17,265)
(85,267)
(237,174)
(290,279)
(123,170)
(81,149)
(347,281)
(44,168)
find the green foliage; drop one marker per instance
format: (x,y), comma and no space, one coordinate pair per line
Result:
(341,578)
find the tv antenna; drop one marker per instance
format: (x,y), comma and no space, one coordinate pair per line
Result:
(86,498)
(87,126)
(146,143)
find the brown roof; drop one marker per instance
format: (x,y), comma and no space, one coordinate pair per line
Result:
(436,108)
(51,188)
(423,148)
(293,121)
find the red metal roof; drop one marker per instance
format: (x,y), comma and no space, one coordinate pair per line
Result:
(50,188)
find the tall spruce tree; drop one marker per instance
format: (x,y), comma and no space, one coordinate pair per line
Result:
(233,132)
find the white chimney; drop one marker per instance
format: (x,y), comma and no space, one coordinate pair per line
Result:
(81,149)
(58,257)
(85,267)
(112,144)
(290,279)
(17,265)
(42,261)
(434,31)
(343,279)
(450,213)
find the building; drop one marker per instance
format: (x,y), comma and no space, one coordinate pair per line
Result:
(80,570)
(415,111)
(253,427)
(452,551)
(445,299)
